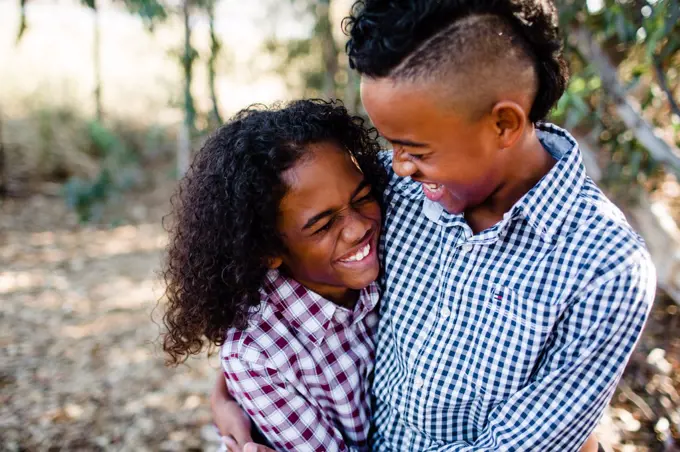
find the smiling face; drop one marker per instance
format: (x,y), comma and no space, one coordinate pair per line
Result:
(456,156)
(330,224)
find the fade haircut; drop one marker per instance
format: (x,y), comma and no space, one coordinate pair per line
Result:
(509,44)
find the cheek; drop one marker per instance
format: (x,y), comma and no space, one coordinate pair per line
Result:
(468,167)
(372,212)
(307,256)
(319,254)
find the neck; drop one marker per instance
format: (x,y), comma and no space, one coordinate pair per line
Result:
(521,172)
(342,296)
(347,298)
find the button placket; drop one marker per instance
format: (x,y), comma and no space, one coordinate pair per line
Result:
(451,251)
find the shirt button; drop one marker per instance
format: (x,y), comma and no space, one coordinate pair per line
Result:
(419,383)
(467,247)
(446,311)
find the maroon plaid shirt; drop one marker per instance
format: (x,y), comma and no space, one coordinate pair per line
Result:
(303,368)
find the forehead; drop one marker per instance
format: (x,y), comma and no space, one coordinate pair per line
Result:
(406,109)
(324,179)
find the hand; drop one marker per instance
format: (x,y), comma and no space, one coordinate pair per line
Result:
(231,421)
(591,444)
(252,447)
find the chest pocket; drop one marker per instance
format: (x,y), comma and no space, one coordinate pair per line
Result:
(507,340)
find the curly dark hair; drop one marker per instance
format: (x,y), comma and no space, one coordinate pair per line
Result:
(225,214)
(384,33)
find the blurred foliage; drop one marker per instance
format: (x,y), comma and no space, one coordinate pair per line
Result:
(215,50)
(314,64)
(641,38)
(118,163)
(151,12)
(119,171)
(56,144)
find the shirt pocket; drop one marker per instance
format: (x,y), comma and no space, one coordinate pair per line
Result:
(507,340)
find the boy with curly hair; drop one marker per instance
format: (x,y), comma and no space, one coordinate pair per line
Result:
(514,291)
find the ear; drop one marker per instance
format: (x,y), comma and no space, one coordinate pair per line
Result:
(274,262)
(510,120)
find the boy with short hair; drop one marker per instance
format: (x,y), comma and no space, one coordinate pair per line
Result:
(514,290)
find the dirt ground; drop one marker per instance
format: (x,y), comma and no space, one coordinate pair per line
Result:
(80,366)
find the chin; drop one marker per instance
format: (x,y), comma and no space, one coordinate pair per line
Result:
(452,204)
(365,279)
(453,208)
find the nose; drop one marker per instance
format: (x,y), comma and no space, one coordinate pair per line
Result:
(356,228)
(402,166)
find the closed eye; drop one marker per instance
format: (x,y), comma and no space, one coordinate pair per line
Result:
(363,199)
(401,150)
(416,156)
(325,227)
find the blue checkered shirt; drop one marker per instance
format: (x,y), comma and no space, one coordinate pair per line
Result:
(514,338)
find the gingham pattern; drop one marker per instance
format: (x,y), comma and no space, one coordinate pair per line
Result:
(302,370)
(515,338)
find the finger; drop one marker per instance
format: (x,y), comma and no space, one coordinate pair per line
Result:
(242,435)
(231,444)
(252,447)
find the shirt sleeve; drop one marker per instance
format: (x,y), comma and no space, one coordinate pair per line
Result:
(286,418)
(579,371)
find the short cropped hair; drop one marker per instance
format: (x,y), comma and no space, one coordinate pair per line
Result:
(416,39)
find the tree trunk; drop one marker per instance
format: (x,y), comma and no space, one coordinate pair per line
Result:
(23,23)
(351,96)
(188,126)
(329,49)
(96,57)
(626,107)
(183,150)
(214,51)
(3,179)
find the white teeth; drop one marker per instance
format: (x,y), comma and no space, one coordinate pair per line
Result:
(432,187)
(360,255)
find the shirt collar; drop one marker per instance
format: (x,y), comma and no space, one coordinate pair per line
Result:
(307,311)
(547,204)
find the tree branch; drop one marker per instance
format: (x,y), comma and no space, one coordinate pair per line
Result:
(626,107)
(23,24)
(663,84)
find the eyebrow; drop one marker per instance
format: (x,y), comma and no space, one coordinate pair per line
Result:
(413,144)
(363,184)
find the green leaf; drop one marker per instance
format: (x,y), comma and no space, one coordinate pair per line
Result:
(151,11)
(652,41)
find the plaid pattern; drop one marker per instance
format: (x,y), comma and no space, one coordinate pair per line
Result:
(302,370)
(514,338)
